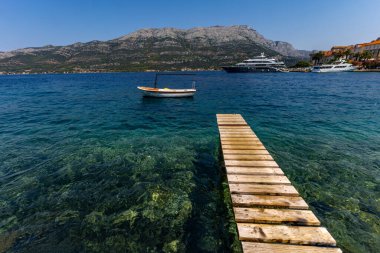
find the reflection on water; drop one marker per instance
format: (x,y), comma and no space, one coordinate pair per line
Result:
(87,164)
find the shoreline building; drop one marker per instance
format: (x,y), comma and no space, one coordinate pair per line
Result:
(350,52)
(372,47)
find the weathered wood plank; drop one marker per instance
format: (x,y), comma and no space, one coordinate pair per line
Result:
(242,163)
(259,247)
(242,200)
(275,216)
(237,135)
(231,119)
(237,131)
(245,132)
(241,142)
(236,128)
(237,147)
(231,124)
(263,189)
(243,179)
(246,152)
(285,234)
(244,140)
(228,115)
(223,139)
(248,157)
(254,171)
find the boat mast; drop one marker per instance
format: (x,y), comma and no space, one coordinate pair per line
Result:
(155,81)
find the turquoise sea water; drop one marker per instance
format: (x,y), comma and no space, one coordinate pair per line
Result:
(88,165)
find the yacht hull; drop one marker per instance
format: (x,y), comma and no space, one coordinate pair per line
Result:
(332,70)
(236,69)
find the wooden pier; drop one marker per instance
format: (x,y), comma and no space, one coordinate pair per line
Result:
(269,212)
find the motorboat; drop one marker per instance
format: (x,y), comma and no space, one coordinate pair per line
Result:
(338,66)
(167,92)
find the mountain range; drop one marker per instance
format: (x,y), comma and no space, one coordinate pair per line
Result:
(152,49)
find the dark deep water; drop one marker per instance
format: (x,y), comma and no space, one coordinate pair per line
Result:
(87,164)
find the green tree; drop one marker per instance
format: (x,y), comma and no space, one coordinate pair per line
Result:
(317,57)
(357,56)
(347,53)
(365,55)
(338,55)
(302,64)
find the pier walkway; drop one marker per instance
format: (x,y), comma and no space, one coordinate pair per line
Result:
(269,212)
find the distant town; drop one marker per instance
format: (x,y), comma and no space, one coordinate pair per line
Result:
(365,55)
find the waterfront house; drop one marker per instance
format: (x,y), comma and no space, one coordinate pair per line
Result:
(372,47)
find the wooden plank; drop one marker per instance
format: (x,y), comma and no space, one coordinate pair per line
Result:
(240,131)
(248,140)
(225,132)
(236,135)
(228,114)
(263,189)
(241,179)
(254,171)
(242,163)
(244,136)
(234,122)
(285,234)
(248,157)
(237,128)
(237,147)
(230,117)
(242,200)
(237,121)
(259,247)
(246,152)
(238,138)
(247,127)
(241,142)
(275,216)
(231,124)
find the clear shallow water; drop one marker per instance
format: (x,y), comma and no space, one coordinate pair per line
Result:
(87,164)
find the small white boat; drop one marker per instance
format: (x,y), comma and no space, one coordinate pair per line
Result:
(167,92)
(339,66)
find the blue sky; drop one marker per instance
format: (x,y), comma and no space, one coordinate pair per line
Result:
(308,24)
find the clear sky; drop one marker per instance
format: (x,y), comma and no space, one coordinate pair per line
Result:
(307,24)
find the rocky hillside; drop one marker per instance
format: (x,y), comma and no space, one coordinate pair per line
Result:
(152,49)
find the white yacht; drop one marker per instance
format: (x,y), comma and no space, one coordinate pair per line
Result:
(258,64)
(339,66)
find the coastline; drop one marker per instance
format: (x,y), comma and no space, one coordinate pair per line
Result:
(299,70)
